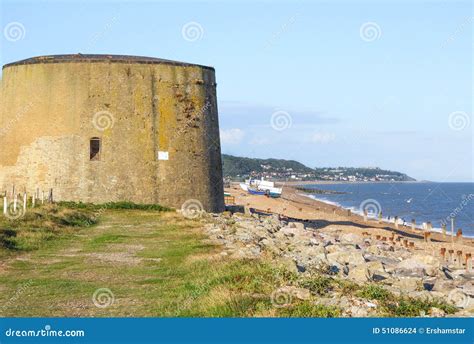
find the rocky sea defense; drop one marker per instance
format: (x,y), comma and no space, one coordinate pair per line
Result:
(361,260)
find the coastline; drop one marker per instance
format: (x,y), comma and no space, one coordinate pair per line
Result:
(296,205)
(329,182)
(384,219)
(317,239)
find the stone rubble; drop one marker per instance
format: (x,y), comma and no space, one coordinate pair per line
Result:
(344,255)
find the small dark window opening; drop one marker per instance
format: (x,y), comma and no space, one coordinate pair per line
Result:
(95,149)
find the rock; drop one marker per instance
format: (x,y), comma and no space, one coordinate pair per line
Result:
(288,264)
(333,248)
(299,293)
(468,288)
(269,245)
(384,260)
(421,294)
(343,302)
(251,252)
(377,271)
(373,249)
(429,283)
(442,285)
(358,312)
(467,276)
(351,238)
(243,237)
(460,299)
(297,225)
(371,304)
(413,272)
(301,268)
(420,262)
(378,276)
(346,257)
(436,312)
(288,231)
(359,274)
(408,284)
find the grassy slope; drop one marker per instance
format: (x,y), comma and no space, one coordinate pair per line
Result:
(155,263)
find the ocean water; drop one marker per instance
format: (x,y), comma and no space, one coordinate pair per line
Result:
(435,202)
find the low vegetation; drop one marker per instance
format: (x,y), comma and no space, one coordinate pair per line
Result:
(114,205)
(153,262)
(402,306)
(40,226)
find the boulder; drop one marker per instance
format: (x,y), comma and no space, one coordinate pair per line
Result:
(333,248)
(405,273)
(419,262)
(436,312)
(299,293)
(376,271)
(408,284)
(346,257)
(288,264)
(297,225)
(384,260)
(460,299)
(468,288)
(288,231)
(373,249)
(351,238)
(359,274)
(250,252)
(358,312)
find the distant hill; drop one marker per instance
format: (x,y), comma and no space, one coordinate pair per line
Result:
(234,166)
(280,169)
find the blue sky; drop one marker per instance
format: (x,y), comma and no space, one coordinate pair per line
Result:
(328,83)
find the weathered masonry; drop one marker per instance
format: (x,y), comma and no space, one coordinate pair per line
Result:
(99,128)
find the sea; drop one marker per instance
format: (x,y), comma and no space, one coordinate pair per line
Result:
(425,202)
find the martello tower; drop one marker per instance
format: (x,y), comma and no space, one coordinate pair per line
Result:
(99,128)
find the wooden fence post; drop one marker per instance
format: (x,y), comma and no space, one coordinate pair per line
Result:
(442,253)
(459,258)
(25,200)
(452,229)
(5,204)
(468,262)
(459,236)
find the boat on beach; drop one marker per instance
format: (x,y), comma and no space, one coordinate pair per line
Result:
(261,187)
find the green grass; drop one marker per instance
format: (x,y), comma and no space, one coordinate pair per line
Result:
(412,307)
(114,205)
(156,263)
(402,306)
(40,226)
(307,309)
(374,292)
(319,285)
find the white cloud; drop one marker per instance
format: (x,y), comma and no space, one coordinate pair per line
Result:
(232,136)
(320,137)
